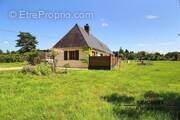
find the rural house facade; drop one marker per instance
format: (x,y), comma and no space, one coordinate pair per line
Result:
(77,46)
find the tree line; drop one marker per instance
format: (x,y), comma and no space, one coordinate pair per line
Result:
(143,55)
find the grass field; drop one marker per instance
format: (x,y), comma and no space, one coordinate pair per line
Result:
(90,95)
(16,64)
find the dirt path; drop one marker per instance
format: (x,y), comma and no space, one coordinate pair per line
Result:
(11,68)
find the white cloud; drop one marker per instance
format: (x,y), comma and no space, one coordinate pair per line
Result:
(104,24)
(5,42)
(151,17)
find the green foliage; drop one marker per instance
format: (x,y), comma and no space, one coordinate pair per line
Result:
(85,60)
(121,51)
(43,69)
(143,55)
(1,51)
(28,69)
(88,52)
(8,52)
(40,69)
(173,56)
(27,42)
(7,58)
(35,57)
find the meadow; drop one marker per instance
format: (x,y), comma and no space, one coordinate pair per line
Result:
(91,94)
(15,64)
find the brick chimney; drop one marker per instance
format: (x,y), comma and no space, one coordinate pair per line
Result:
(87,28)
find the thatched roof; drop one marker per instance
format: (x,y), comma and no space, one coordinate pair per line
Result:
(78,37)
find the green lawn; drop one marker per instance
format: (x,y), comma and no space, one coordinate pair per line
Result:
(89,95)
(16,64)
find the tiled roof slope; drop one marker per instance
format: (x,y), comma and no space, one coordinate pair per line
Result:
(78,37)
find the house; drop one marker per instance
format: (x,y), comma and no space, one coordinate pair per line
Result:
(77,46)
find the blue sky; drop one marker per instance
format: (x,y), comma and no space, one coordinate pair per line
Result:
(150,25)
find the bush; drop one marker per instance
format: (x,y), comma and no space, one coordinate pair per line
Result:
(33,57)
(28,69)
(43,69)
(7,58)
(40,69)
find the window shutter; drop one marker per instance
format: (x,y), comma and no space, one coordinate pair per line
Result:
(65,55)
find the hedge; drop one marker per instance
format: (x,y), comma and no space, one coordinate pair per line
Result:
(7,58)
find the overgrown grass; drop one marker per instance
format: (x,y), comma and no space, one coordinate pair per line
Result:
(15,64)
(84,95)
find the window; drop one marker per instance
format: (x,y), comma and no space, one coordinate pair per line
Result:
(74,55)
(71,55)
(65,55)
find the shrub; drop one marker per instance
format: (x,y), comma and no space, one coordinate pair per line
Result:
(40,69)
(28,69)
(33,57)
(43,69)
(7,58)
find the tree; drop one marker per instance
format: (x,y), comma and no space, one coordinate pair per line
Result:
(13,52)
(116,53)
(126,54)
(8,52)
(26,41)
(132,55)
(158,56)
(142,56)
(173,56)
(33,57)
(121,53)
(1,52)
